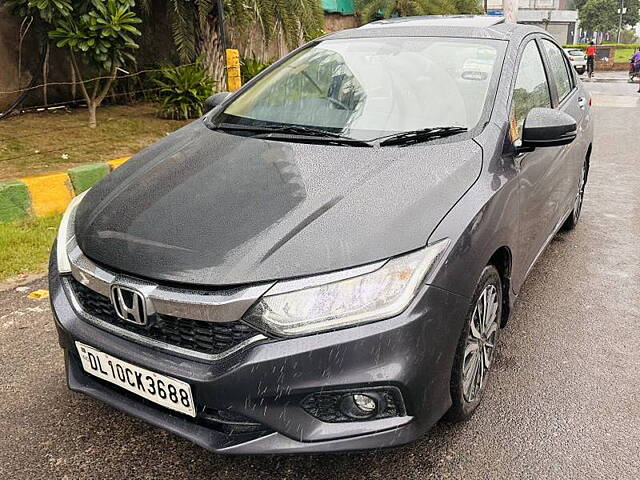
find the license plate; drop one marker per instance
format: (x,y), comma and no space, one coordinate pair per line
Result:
(165,391)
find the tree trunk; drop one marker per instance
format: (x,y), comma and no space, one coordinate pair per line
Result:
(97,95)
(92,107)
(73,81)
(212,54)
(45,76)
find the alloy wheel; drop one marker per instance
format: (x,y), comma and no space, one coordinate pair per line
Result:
(480,343)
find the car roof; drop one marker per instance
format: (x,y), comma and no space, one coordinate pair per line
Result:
(468,26)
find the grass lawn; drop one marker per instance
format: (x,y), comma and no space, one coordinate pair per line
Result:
(623,54)
(24,246)
(35,143)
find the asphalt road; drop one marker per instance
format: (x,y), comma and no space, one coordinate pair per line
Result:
(562,403)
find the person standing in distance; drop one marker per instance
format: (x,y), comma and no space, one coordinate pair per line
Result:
(635,64)
(591,58)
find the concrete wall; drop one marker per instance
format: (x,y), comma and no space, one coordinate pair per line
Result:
(334,22)
(9,41)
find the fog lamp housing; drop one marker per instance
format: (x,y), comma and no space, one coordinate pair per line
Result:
(355,405)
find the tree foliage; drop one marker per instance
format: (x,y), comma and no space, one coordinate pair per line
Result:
(469,6)
(628,36)
(603,16)
(97,33)
(370,9)
(100,32)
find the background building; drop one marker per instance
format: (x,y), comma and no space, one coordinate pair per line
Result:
(556,16)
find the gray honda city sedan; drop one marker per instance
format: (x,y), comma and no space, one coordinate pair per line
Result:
(324,261)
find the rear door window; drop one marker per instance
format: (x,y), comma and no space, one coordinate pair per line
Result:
(559,70)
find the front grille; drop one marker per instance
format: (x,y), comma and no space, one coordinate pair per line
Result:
(204,337)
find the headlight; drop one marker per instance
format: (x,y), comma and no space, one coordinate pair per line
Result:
(380,294)
(66,233)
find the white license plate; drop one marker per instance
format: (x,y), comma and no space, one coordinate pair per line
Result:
(165,391)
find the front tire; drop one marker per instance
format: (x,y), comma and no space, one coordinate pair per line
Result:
(478,341)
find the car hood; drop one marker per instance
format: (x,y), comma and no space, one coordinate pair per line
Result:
(211,208)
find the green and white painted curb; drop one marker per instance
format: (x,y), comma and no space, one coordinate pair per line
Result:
(50,194)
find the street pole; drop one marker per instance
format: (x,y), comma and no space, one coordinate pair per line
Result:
(620,22)
(510,11)
(223,39)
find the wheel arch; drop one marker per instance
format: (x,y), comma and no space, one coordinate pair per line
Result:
(588,157)
(502,261)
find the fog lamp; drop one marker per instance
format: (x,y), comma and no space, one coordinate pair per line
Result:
(365,403)
(360,405)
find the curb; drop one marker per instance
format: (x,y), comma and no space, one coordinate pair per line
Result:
(50,194)
(606,80)
(14,201)
(86,176)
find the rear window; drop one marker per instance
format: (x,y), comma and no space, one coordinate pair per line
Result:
(576,53)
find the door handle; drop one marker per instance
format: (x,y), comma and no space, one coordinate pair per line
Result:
(582,102)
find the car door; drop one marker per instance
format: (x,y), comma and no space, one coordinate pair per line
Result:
(539,171)
(571,101)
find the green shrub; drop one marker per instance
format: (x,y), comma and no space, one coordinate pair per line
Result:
(250,67)
(183,91)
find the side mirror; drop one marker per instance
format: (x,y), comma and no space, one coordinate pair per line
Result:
(214,100)
(546,127)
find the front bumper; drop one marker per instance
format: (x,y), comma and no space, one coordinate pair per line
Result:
(266,383)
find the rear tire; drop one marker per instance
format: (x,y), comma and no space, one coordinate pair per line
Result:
(574,216)
(477,344)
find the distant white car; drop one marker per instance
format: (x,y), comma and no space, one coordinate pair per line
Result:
(577,58)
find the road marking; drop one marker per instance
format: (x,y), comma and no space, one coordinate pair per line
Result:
(624,101)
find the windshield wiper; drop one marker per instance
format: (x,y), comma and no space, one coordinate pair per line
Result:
(265,131)
(422,135)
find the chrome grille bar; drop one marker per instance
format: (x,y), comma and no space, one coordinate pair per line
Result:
(225,305)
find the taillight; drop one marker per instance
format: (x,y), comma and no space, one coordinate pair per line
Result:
(571,58)
(590,101)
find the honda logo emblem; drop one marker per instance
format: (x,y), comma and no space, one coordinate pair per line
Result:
(129,304)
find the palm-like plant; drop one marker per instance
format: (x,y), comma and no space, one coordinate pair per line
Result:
(295,20)
(183,91)
(250,67)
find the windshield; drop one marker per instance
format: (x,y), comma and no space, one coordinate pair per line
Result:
(371,87)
